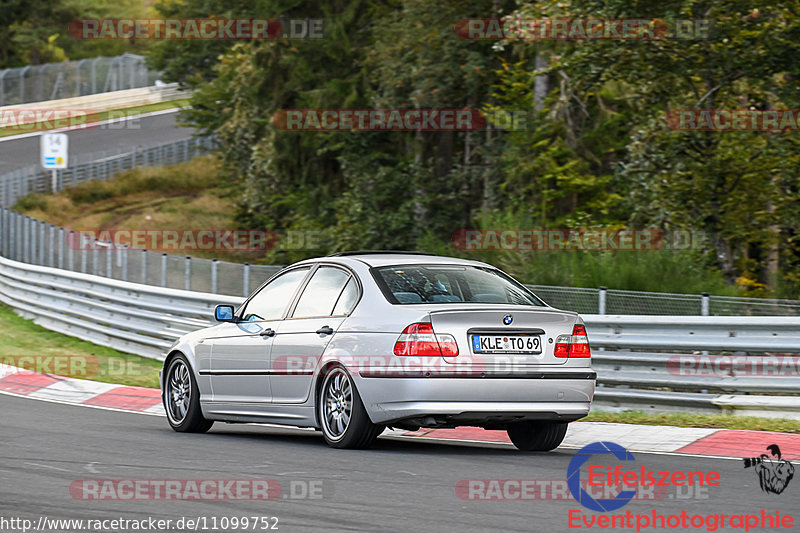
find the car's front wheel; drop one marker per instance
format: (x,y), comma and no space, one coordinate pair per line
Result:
(182,398)
(537,436)
(344,421)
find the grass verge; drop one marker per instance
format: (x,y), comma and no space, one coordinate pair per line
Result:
(690,420)
(186,196)
(69,356)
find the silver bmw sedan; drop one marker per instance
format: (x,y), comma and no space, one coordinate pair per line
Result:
(356,342)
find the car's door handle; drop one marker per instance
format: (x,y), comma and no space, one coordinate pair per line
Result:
(325,330)
(269,332)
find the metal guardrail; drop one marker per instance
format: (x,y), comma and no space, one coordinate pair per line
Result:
(67,79)
(130,317)
(716,333)
(92,105)
(146,320)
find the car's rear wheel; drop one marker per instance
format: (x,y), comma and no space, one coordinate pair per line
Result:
(537,436)
(182,398)
(344,421)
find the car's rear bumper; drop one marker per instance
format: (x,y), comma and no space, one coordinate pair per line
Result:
(476,400)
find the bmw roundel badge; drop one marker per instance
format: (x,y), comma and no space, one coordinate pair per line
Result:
(508,319)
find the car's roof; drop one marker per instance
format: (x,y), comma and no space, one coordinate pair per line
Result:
(387,258)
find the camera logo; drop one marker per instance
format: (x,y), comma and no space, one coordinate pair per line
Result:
(774,473)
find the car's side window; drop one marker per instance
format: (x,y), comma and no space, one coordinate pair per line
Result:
(322,292)
(347,299)
(271,301)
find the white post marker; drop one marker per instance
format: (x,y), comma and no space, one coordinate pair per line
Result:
(54,148)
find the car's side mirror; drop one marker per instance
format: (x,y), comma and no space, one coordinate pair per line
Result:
(224,313)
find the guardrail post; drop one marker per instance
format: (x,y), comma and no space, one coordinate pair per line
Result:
(22,84)
(601,301)
(61,248)
(109,259)
(144,267)
(9,234)
(163,270)
(124,259)
(83,252)
(42,243)
(213,276)
(246,280)
(95,251)
(19,223)
(52,248)
(70,258)
(704,301)
(25,238)
(188,273)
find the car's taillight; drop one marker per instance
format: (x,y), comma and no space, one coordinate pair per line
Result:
(419,339)
(575,345)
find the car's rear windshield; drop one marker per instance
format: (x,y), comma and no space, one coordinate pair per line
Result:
(442,284)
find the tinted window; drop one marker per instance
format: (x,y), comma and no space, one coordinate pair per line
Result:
(452,283)
(321,293)
(347,299)
(270,303)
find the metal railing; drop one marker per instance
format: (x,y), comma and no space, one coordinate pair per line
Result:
(97,166)
(36,242)
(53,81)
(613,301)
(33,241)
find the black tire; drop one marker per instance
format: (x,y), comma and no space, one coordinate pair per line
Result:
(342,417)
(182,406)
(537,436)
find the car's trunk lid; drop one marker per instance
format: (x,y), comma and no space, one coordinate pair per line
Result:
(503,335)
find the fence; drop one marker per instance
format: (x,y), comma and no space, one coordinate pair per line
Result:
(67,79)
(96,166)
(605,301)
(38,243)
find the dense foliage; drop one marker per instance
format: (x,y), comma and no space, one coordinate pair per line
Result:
(596,150)
(36,31)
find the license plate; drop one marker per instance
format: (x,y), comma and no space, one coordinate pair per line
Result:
(506,344)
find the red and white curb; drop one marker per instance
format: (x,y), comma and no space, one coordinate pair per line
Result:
(61,389)
(658,439)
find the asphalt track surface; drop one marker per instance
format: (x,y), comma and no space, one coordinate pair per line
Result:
(142,132)
(399,485)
